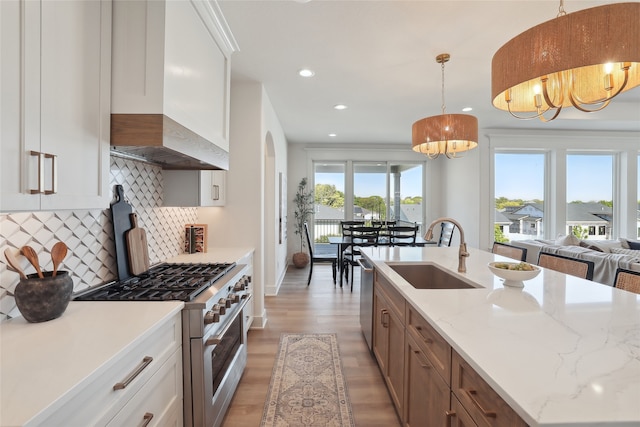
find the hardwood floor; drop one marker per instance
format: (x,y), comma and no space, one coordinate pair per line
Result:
(321,307)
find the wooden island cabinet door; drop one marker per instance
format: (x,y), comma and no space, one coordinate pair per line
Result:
(426,394)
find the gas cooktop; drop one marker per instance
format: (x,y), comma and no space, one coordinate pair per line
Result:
(162,282)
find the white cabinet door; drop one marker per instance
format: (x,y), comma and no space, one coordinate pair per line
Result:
(194,188)
(14,145)
(214,189)
(58,145)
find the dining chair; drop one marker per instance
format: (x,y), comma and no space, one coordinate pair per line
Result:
(361,236)
(345,229)
(383,225)
(572,266)
(509,251)
(627,280)
(332,258)
(446,233)
(403,235)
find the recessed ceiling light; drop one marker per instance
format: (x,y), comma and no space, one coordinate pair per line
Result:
(333,135)
(340,107)
(467,109)
(305,72)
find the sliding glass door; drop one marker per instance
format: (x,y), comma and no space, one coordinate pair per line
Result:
(373,191)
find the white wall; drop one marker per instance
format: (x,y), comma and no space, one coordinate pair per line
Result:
(241,222)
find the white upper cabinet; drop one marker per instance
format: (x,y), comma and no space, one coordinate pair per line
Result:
(56,75)
(195,188)
(171,59)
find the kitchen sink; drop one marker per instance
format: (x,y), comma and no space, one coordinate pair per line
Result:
(429,276)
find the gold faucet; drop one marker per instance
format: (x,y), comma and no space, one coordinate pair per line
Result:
(462,252)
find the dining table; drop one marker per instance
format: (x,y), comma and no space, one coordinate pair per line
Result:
(342,242)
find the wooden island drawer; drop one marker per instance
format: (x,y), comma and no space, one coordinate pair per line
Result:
(479,399)
(430,342)
(393,297)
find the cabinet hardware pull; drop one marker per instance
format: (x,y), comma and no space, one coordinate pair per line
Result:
(425,339)
(54,173)
(40,172)
(450,413)
(215,192)
(385,314)
(472,395)
(145,362)
(418,354)
(146,419)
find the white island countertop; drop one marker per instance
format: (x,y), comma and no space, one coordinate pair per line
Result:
(561,352)
(43,365)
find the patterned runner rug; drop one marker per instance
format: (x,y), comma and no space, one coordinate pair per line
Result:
(307,385)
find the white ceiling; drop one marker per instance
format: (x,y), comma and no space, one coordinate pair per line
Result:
(378,58)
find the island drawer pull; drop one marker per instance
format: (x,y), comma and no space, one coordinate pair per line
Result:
(145,362)
(472,395)
(384,316)
(426,365)
(425,339)
(146,419)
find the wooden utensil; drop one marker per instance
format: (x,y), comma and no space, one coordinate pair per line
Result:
(138,247)
(58,253)
(30,254)
(13,263)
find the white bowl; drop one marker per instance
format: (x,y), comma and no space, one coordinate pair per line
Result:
(514,278)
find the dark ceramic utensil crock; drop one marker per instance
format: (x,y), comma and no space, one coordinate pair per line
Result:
(40,300)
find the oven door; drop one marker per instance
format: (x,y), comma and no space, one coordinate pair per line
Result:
(217,363)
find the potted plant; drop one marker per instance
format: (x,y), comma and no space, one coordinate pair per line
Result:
(303,202)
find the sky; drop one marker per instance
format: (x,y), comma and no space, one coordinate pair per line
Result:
(375,184)
(521,176)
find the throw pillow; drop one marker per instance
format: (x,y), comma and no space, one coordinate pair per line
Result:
(588,246)
(630,244)
(568,240)
(634,244)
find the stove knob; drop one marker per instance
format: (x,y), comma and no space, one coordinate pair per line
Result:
(211,317)
(235,298)
(225,302)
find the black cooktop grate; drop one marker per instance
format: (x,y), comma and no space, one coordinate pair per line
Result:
(164,282)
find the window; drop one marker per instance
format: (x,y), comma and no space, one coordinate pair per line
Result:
(329,183)
(589,194)
(405,191)
(373,190)
(370,191)
(519,193)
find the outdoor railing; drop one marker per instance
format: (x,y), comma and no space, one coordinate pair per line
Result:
(323,228)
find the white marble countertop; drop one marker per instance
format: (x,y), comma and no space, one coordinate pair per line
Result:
(41,363)
(561,352)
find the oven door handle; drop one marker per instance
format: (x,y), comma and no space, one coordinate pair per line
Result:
(218,338)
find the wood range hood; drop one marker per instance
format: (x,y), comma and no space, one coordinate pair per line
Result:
(159,139)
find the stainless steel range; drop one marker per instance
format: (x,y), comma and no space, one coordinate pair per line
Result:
(214,333)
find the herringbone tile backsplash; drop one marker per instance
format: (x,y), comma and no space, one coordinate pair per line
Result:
(89,233)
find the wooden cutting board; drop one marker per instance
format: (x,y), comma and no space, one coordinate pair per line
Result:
(138,247)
